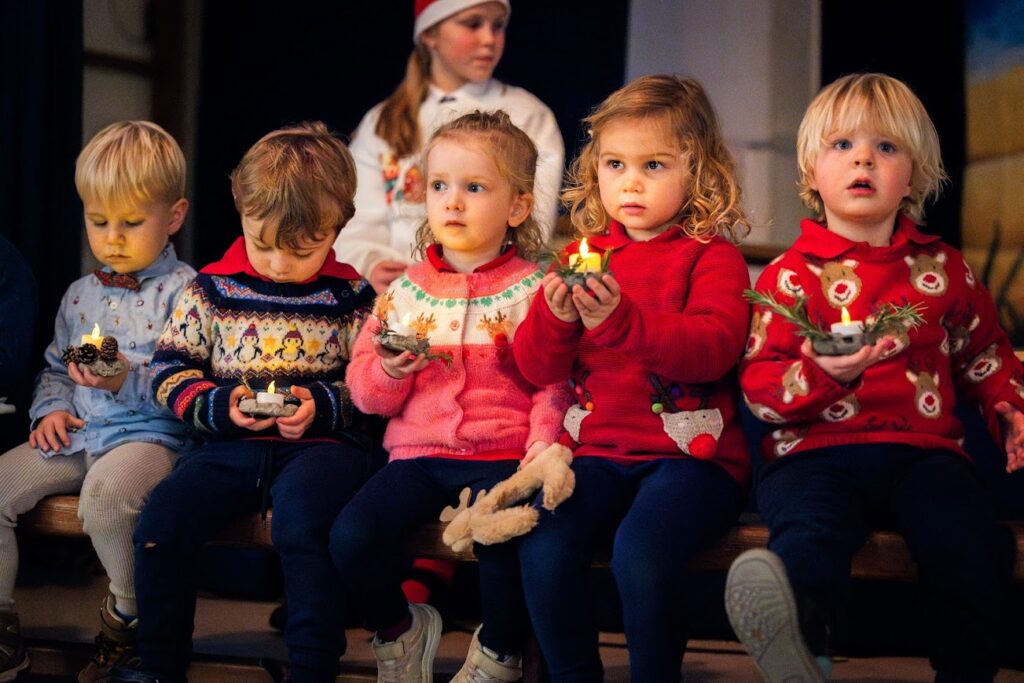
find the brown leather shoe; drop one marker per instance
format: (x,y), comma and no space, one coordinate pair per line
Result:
(115,645)
(13,658)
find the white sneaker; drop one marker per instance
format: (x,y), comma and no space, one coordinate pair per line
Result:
(482,665)
(410,659)
(763,613)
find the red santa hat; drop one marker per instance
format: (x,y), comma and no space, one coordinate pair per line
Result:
(430,12)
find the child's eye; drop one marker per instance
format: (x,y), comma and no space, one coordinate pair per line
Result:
(653,165)
(614,164)
(498,25)
(475,187)
(438,186)
(842,144)
(133,224)
(887,147)
(473,24)
(99,224)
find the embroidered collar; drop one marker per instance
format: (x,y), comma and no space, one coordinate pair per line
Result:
(236,261)
(164,263)
(436,257)
(816,240)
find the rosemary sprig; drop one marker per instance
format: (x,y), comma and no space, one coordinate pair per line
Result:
(795,313)
(888,316)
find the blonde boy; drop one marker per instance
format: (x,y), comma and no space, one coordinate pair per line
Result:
(105,436)
(870,438)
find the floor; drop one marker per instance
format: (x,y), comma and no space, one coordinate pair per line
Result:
(56,608)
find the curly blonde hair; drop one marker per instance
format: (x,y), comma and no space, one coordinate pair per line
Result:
(302,177)
(681,107)
(514,154)
(886,106)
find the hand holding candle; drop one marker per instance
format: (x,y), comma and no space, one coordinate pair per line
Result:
(267,403)
(270,397)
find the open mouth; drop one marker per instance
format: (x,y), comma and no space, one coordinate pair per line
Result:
(861,184)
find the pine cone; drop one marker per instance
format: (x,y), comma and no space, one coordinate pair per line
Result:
(69,355)
(87,354)
(108,349)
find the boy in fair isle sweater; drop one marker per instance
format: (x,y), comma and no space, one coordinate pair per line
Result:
(869,438)
(264,313)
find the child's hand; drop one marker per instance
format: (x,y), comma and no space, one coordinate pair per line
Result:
(52,431)
(558,298)
(87,378)
(595,308)
(240,419)
(384,273)
(295,426)
(535,448)
(399,365)
(846,369)
(1013,427)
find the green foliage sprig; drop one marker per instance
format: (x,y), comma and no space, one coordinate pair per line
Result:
(888,316)
(885,317)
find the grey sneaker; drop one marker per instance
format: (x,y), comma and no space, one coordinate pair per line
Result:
(482,665)
(13,658)
(763,613)
(410,659)
(115,645)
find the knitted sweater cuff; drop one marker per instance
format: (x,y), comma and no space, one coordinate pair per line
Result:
(333,407)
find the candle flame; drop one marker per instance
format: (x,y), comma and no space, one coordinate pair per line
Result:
(96,330)
(584,248)
(846,316)
(270,389)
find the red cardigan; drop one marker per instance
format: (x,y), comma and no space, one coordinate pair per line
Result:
(672,343)
(960,350)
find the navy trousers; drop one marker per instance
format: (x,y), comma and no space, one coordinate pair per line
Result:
(368,543)
(658,514)
(309,484)
(821,505)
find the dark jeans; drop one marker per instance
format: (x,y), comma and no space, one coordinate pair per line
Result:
(821,505)
(310,482)
(660,513)
(368,543)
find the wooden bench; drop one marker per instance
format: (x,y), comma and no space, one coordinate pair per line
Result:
(883,557)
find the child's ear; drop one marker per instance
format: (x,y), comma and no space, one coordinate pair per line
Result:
(178,212)
(520,209)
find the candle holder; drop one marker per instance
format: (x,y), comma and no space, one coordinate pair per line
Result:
(101,360)
(397,340)
(842,344)
(269,403)
(583,265)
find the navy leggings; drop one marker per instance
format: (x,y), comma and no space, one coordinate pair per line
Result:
(821,505)
(368,543)
(310,482)
(658,513)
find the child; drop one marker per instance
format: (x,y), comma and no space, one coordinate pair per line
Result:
(459,423)
(458,44)
(660,458)
(105,436)
(869,438)
(279,283)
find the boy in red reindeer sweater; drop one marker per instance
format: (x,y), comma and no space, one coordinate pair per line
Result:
(869,438)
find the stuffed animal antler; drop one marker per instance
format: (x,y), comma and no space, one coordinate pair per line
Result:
(492,518)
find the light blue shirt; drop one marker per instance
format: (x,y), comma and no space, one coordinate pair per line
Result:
(136,320)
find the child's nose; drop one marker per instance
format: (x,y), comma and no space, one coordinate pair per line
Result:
(114,235)
(864,157)
(453,202)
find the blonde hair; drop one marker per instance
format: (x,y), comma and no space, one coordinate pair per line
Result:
(515,156)
(887,106)
(398,124)
(130,162)
(682,108)
(302,177)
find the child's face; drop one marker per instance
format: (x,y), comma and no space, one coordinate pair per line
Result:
(862,176)
(642,176)
(470,206)
(130,238)
(282,264)
(466,46)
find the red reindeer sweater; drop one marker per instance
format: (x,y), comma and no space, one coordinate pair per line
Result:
(908,397)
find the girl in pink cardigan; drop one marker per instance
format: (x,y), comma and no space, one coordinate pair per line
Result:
(462,416)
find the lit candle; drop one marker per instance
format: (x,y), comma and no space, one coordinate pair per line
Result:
(403,328)
(847,327)
(587,262)
(269,397)
(95,338)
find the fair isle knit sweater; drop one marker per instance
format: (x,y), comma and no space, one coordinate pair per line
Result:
(479,406)
(959,352)
(231,323)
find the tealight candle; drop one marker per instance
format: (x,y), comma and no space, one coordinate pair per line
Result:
(847,327)
(269,397)
(403,328)
(95,338)
(585,261)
